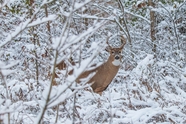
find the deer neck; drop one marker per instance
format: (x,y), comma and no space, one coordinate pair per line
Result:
(116,62)
(113,64)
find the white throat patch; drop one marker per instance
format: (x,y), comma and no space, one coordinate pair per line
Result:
(116,62)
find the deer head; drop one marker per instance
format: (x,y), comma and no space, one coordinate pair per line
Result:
(107,71)
(115,53)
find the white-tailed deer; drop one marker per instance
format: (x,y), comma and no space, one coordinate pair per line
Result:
(63,66)
(107,71)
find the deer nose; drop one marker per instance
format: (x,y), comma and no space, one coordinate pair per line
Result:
(117,57)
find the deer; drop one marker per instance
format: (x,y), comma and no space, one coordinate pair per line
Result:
(104,74)
(63,66)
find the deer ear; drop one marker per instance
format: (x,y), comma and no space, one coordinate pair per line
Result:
(107,49)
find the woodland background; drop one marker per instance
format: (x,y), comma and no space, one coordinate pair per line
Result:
(35,35)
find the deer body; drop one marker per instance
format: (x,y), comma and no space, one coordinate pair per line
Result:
(105,73)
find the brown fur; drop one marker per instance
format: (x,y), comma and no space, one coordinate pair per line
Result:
(63,66)
(104,73)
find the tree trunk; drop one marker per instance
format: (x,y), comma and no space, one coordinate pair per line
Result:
(152,24)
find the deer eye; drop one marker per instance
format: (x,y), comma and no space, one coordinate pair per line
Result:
(119,52)
(112,52)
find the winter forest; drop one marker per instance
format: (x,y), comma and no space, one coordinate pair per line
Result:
(38,35)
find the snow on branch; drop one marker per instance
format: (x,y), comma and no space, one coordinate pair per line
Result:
(92,17)
(79,5)
(22,26)
(139,16)
(17,31)
(76,7)
(3,4)
(4,69)
(77,71)
(143,64)
(89,31)
(43,20)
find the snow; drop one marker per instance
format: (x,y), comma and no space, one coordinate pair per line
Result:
(15,33)
(7,72)
(55,42)
(12,2)
(142,65)
(150,87)
(3,66)
(80,5)
(8,103)
(148,21)
(42,20)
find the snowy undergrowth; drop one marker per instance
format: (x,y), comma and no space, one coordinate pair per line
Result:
(136,96)
(134,99)
(147,89)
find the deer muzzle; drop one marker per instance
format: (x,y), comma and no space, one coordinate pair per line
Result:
(117,57)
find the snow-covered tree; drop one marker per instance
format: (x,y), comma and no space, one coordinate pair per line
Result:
(38,36)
